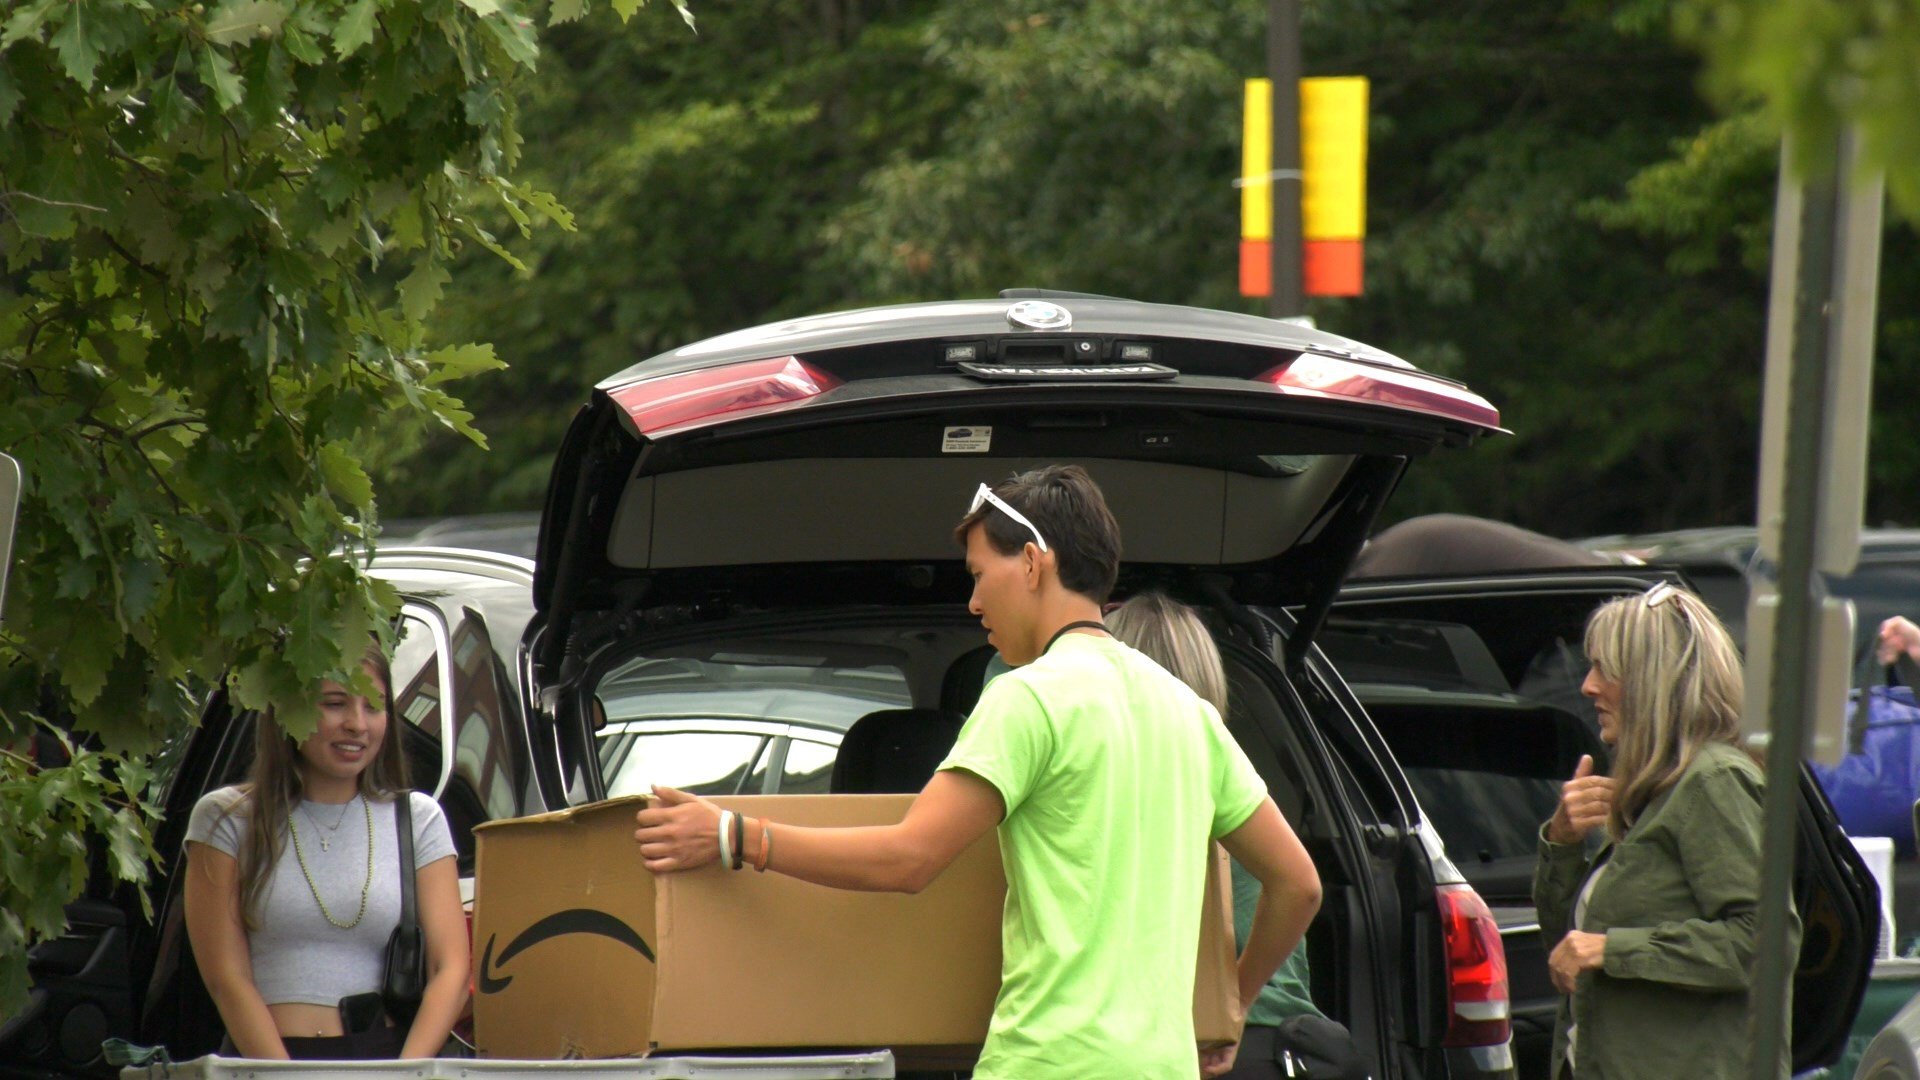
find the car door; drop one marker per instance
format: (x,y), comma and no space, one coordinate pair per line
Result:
(1474,682)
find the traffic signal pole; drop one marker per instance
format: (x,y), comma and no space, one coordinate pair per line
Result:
(1287,244)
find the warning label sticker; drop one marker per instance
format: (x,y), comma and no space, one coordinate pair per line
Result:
(966,440)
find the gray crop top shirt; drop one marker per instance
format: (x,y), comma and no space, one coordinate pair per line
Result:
(297,955)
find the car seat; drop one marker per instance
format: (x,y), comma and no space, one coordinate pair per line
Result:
(893,751)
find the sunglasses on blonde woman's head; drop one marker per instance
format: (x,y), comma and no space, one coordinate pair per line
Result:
(986,495)
(1660,594)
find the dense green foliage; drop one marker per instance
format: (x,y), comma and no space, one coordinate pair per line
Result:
(224,226)
(1556,216)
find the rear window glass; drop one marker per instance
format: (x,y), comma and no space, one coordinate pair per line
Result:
(1483,817)
(1486,768)
(737,718)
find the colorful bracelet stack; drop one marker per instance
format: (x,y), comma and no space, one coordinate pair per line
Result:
(733,842)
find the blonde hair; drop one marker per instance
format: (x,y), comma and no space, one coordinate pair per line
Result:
(1172,635)
(1680,689)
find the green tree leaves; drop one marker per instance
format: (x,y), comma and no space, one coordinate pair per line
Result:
(223,228)
(1817,66)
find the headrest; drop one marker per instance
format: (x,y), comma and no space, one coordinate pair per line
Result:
(893,751)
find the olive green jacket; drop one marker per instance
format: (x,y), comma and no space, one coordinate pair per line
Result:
(1679,905)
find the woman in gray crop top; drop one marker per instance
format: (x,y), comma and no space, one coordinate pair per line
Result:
(293,886)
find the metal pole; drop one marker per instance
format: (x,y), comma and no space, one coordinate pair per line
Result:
(1795,638)
(1813,460)
(1283,68)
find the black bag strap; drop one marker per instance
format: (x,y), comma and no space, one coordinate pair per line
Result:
(403,824)
(1863,682)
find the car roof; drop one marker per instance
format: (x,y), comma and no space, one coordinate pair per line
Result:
(1733,545)
(509,533)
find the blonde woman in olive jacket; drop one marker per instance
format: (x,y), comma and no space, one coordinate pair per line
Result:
(1655,932)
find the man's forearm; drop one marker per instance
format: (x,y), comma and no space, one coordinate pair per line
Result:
(867,858)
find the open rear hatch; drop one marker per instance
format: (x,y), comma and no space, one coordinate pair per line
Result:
(824,461)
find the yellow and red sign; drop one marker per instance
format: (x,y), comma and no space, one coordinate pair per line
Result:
(1333,186)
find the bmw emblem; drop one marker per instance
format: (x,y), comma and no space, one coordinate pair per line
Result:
(1039,315)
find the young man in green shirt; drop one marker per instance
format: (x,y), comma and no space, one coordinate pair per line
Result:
(1107,779)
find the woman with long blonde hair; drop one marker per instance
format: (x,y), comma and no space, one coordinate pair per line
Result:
(1286,1033)
(1655,930)
(293,888)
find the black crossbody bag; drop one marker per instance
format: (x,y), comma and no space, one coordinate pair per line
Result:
(405,980)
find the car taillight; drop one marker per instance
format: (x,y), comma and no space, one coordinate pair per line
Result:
(1478,1009)
(1328,376)
(690,399)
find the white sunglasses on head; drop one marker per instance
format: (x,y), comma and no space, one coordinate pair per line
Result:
(986,495)
(1660,594)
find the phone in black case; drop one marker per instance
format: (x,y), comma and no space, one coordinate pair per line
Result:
(361,1012)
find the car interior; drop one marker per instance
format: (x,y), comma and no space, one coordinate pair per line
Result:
(941,664)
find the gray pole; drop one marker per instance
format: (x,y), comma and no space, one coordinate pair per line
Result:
(1813,454)
(1794,641)
(1283,68)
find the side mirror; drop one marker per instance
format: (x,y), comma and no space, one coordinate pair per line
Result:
(9,511)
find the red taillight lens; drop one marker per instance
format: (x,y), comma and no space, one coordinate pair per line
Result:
(1328,376)
(1478,1005)
(670,403)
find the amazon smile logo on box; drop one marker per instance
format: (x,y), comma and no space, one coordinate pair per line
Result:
(560,923)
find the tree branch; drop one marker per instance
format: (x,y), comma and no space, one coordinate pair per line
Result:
(52,202)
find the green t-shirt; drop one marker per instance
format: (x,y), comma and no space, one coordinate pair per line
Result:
(1115,776)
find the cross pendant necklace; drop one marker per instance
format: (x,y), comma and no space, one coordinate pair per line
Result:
(327,832)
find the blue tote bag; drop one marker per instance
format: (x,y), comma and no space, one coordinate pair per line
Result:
(1874,787)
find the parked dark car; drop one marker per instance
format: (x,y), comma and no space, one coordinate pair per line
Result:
(778,502)
(745,562)
(1474,682)
(1718,561)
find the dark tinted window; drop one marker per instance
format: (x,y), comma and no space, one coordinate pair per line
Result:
(1484,817)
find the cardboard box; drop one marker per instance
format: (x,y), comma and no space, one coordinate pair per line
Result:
(581,953)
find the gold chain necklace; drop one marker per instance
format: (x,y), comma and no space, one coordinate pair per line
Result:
(315,889)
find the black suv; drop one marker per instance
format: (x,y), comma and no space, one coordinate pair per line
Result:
(1474,681)
(745,581)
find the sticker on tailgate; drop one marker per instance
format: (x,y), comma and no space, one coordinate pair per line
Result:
(966,440)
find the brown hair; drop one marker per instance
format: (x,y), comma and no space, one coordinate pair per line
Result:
(1068,508)
(276,783)
(1680,689)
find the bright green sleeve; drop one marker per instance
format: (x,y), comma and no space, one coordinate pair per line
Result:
(1008,741)
(1237,788)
